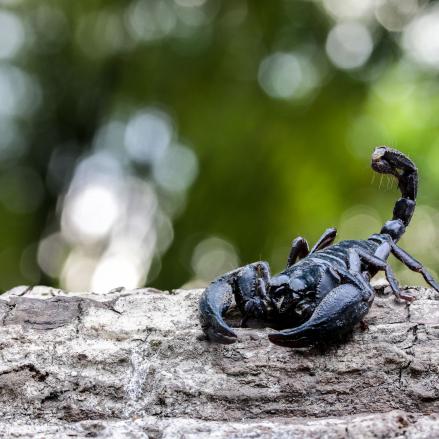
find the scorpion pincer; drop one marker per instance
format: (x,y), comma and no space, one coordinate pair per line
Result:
(323,292)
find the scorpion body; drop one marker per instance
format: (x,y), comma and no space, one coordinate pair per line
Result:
(323,292)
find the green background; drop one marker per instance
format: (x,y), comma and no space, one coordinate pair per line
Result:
(271,160)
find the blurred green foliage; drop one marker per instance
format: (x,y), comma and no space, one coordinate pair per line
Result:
(282,103)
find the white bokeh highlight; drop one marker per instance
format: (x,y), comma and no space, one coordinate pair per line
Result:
(91,212)
(349,45)
(421,39)
(285,75)
(12,34)
(148,135)
(349,9)
(112,221)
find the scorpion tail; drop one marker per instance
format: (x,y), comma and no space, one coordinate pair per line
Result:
(389,161)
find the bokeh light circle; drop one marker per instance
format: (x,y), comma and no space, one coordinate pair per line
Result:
(349,45)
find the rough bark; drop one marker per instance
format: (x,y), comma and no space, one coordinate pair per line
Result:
(134,363)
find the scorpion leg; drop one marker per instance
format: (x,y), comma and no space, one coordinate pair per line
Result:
(414,265)
(247,286)
(300,247)
(378,262)
(325,240)
(299,250)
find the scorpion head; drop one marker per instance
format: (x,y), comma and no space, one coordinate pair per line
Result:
(287,290)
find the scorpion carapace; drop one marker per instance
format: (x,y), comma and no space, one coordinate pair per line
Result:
(323,292)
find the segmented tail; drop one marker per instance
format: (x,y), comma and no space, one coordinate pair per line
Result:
(386,160)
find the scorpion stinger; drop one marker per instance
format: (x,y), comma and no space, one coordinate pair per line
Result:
(390,161)
(325,292)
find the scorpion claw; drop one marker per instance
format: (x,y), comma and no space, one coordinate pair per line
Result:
(221,334)
(214,302)
(291,339)
(336,315)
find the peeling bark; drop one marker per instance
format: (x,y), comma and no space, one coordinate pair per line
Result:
(135,363)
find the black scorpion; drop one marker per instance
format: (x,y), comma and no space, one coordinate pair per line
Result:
(328,291)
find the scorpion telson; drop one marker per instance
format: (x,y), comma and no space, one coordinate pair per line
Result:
(323,292)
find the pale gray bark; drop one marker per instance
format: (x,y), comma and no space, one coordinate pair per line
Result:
(133,363)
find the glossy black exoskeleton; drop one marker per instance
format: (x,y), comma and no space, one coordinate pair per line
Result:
(324,292)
